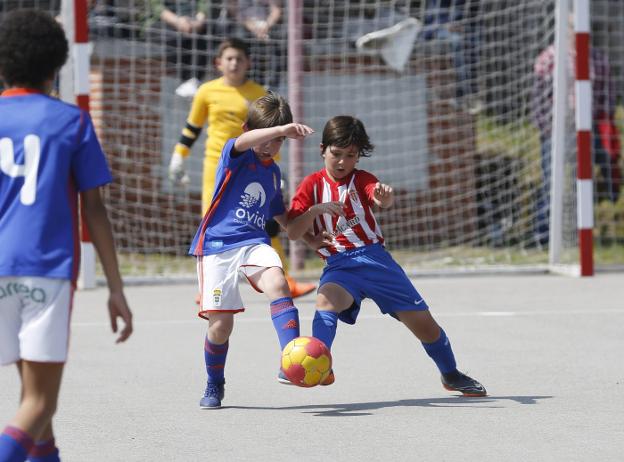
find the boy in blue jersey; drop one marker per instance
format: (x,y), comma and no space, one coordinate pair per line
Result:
(232,240)
(48,154)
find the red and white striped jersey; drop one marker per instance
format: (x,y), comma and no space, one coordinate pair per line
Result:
(358,227)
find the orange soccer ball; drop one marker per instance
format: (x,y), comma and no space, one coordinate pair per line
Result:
(306,361)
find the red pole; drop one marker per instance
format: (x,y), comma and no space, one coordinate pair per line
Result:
(584,128)
(81,73)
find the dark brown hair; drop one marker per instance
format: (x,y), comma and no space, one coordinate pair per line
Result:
(233,42)
(343,131)
(268,111)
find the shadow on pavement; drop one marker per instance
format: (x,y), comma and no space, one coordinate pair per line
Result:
(357,409)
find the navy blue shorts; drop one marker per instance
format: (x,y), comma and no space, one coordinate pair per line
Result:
(371,272)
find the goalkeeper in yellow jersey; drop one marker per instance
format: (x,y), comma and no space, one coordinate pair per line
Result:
(223,104)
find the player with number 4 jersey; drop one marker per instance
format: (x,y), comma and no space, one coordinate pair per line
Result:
(49,154)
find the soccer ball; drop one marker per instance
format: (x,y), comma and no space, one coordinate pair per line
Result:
(306,361)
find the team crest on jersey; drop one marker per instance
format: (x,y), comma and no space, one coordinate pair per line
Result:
(254,195)
(216,297)
(354,196)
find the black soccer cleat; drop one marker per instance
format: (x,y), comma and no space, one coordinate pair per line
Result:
(458,381)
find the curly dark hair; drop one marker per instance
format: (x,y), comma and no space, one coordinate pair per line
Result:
(33,48)
(345,130)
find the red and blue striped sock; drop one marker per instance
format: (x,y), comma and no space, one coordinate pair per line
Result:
(285,317)
(14,445)
(215,356)
(44,451)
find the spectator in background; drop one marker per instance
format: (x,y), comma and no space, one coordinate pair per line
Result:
(191,31)
(185,27)
(262,22)
(454,22)
(606,143)
(108,19)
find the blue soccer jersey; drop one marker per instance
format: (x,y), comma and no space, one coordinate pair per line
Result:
(48,153)
(247,194)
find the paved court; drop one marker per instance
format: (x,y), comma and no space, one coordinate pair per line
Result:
(549,349)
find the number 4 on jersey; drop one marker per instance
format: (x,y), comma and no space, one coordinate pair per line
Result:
(32,152)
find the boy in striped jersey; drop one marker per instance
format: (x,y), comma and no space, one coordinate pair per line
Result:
(337,203)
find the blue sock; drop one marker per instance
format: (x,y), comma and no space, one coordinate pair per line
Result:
(14,445)
(324,327)
(44,451)
(442,353)
(285,319)
(215,356)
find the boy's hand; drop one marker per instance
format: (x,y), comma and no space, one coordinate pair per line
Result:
(297,131)
(177,170)
(335,208)
(320,240)
(118,308)
(383,194)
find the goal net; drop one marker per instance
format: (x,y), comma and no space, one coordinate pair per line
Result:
(457,100)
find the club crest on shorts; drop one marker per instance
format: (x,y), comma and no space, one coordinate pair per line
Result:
(216,297)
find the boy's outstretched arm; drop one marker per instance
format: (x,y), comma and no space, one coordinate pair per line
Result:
(383,195)
(297,227)
(261,135)
(102,236)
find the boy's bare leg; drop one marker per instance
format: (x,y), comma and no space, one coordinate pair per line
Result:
(421,324)
(40,388)
(272,282)
(332,297)
(220,326)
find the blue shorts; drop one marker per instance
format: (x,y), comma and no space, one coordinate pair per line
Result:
(371,272)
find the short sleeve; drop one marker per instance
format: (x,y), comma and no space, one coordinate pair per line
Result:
(366,182)
(277,205)
(89,166)
(303,198)
(232,162)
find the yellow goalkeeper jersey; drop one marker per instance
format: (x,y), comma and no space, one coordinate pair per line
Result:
(224,108)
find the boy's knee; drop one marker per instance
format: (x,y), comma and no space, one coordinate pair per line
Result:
(274,281)
(220,330)
(40,406)
(323,303)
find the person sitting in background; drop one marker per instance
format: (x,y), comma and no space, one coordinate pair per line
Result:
(261,25)
(453,22)
(606,142)
(185,27)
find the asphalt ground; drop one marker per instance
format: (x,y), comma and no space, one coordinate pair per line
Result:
(549,349)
